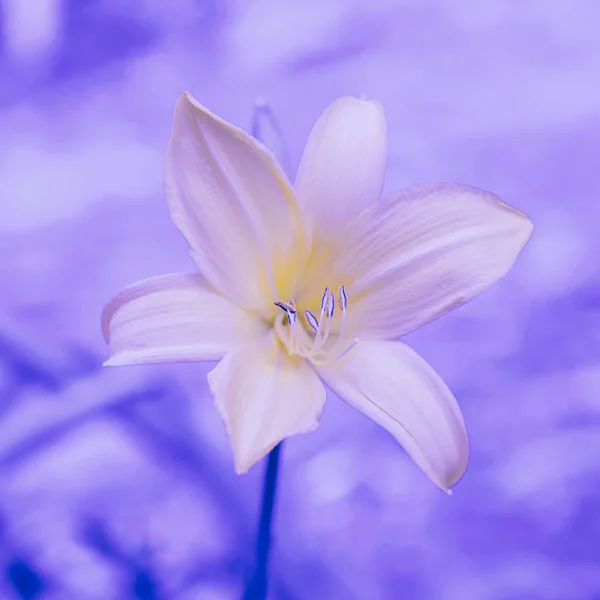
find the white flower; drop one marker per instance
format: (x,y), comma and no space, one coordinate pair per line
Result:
(311,284)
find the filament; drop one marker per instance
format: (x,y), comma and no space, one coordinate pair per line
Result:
(300,342)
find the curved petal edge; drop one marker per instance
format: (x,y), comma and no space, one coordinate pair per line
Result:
(394,386)
(343,165)
(174,318)
(264,396)
(424,251)
(235,206)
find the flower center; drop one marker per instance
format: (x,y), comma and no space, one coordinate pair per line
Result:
(311,337)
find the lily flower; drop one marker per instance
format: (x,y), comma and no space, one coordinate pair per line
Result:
(314,283)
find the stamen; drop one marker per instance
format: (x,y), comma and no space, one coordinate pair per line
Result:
(344,304)
(300,342)
(331,305)
(324,299)
(312,320)
(290,310)
(327,304)
(285,306)
(323,306)
(343,298)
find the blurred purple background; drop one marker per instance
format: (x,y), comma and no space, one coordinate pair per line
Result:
(118,484)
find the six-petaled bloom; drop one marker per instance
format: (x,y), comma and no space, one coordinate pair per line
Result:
(311,284)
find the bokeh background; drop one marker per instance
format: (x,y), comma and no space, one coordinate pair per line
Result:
(118,484)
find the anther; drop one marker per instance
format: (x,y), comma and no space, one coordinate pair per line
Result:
(324,298)
(331,305)
(288,308)
(312,320)
(343,298)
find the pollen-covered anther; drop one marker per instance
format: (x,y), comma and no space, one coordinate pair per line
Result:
(309,342)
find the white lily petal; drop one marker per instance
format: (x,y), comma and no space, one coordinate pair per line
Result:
(394,386)
(235,206)
(264,396)
(174,318)
(424,251)
(342,168)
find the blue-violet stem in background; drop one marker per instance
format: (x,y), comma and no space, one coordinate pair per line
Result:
(257,586)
